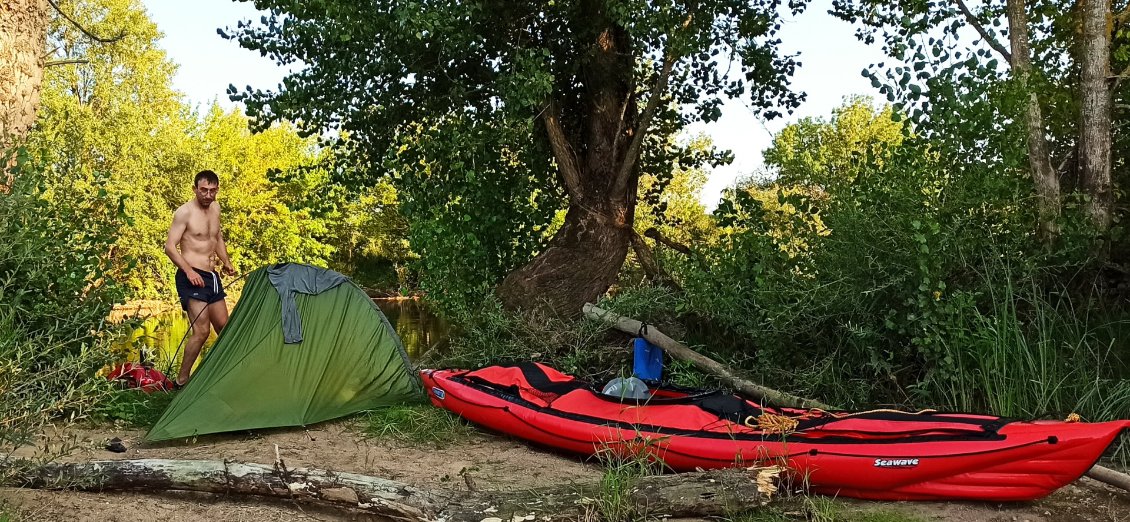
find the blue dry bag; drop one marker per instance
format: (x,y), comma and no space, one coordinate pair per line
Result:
(647,360)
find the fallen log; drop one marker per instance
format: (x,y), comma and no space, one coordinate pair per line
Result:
(758,392)
(689,494)
(1110,477)
(681,351)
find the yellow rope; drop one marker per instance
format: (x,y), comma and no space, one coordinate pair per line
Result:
(772,423)
(1073,417)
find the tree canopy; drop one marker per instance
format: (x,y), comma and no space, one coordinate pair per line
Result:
(584,86)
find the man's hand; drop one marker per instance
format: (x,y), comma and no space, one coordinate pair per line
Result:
(194,278)
(229,270)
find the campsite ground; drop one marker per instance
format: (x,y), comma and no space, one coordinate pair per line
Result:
(492,462)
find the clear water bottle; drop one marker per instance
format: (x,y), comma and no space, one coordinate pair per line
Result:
(629,388)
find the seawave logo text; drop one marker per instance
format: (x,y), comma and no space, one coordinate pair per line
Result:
(896,463)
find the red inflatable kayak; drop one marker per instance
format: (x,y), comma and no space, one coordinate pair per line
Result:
(883,455)
(142,376)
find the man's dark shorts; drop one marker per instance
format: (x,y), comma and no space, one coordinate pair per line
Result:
(212,291)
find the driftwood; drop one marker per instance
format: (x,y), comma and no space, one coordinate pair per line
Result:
(756,391)
(1110,477)
(689,494)
(681,351)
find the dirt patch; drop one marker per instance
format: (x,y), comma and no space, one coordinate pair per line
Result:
(492,462)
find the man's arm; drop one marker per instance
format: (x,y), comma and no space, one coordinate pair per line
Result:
(221,247)
(176,232)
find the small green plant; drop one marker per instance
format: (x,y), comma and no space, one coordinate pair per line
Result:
(132,407)
(624,464)
(421,423)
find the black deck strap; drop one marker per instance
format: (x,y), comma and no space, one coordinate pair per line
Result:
(727,406)
(987,425)
(537,379)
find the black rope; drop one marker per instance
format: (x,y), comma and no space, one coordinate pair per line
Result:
(642,332)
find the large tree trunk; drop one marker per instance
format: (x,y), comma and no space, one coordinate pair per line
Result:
(23,43)
(1095,113)
(584,257)
(1044,176)
(580,263)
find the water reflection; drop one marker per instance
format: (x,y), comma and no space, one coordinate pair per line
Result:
(419,328)
(161,336)
(160,339)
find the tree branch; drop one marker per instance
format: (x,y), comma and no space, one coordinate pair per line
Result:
(981,31)
(79,26)
(633,152)
(562,150)
(1118,79)
(658,236)
(65,62)
(1122,16)
(650,265)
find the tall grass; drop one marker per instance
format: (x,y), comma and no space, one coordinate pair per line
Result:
(416,424)
(623,466)
(1036,354)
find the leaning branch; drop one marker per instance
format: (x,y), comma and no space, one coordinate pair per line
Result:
(658,236)
(633,152)
(79,26)
(650,265)
(681,351)
(67,61)
(969,17)
(562,150)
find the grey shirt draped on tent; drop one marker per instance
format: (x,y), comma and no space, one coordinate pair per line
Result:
(290,278)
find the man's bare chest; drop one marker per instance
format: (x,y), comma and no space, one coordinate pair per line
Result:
(202,227)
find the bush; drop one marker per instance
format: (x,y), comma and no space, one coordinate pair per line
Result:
(54,300)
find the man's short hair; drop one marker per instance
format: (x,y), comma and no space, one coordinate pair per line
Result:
(206,175)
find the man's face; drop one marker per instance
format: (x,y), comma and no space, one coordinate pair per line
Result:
(206,192)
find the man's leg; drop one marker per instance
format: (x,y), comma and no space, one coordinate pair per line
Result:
(218,315)
(200,327)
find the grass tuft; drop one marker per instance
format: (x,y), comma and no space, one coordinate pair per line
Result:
(416,424)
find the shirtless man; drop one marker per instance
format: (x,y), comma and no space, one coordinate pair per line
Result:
(196,230)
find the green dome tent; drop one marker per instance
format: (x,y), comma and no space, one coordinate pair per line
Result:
(303,345)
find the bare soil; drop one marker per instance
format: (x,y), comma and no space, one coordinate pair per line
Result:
(492,462)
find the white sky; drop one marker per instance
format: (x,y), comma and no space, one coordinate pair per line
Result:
(831,58)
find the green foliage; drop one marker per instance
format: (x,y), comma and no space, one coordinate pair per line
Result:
(132,407)
(622,468)
(417,424)
(914,280)
(117,125)
(454,106)
(54,298)
(490,335)
(477,205)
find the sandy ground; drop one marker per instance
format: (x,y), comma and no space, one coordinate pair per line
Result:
(494,463)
